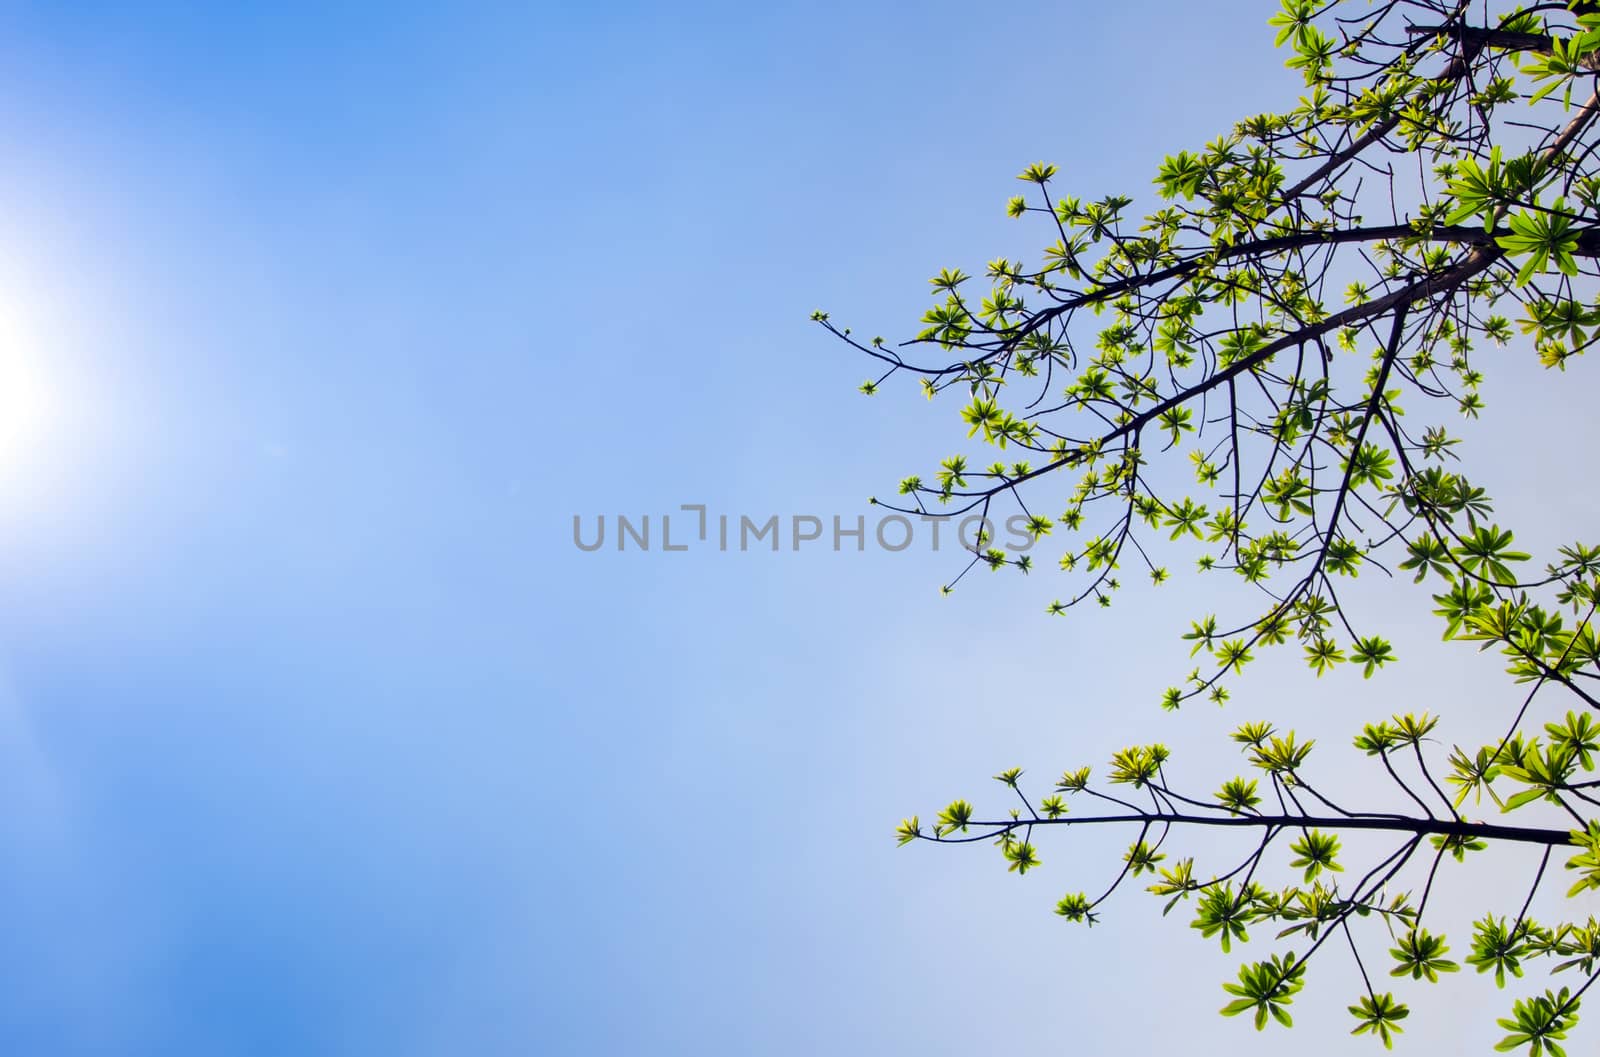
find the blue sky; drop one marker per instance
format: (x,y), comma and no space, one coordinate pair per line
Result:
(317,734)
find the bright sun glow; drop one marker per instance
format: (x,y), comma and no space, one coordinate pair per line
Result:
(27,403)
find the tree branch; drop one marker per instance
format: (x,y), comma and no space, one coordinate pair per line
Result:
(1421,827)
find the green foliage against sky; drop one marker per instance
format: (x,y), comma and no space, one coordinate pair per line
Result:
(1267,361)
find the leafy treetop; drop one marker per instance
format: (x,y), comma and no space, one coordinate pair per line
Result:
(1231,368)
